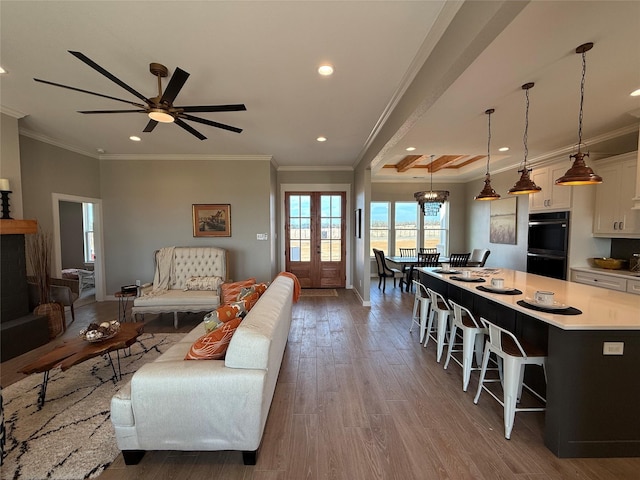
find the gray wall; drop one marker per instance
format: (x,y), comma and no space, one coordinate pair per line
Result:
(10,163)
(148,205)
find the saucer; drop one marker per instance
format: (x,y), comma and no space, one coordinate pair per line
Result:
(554,306)
(499,289)
(439,270)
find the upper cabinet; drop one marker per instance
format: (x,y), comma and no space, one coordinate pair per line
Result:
(614,216)
(552,197)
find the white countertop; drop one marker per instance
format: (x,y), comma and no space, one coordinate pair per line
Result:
(602,309)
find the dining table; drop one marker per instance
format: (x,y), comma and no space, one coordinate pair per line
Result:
(409,264)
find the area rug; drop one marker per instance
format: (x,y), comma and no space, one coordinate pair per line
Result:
(318,292)
(71,437)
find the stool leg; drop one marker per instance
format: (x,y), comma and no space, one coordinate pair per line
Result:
(479,347)
(443,319)
(468,344)
(511,377)
(483,372)
(432,314)
(424,311)
(452,340)
(414,316)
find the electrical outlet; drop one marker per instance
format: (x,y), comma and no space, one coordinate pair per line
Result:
(138,283)
(613,348)
(262,236)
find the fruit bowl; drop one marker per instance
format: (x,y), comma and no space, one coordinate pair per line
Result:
(97,333)
(610,263)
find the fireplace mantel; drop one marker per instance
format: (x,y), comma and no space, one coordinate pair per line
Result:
(13,227)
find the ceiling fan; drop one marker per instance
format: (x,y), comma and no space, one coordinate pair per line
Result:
(159,108)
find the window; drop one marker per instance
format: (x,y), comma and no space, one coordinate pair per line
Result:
(436,228)
(379,229)
(406,225)
(87,227)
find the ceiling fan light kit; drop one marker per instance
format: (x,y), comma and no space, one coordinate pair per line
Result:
(159,109)
(525,185)
(488,193)
(580,173)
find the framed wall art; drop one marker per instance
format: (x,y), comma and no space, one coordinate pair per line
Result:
(211,220)
(502,221)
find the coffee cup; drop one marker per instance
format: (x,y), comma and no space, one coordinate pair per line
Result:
(497,282)
(544,298)
(466,274)
(444,267)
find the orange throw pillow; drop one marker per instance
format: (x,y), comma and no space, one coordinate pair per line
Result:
(230,291)
(213,345)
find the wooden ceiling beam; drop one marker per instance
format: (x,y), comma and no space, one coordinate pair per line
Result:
(467,162)
(408,162)
(442,161)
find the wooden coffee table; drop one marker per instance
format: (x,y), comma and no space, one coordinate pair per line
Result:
(78,350)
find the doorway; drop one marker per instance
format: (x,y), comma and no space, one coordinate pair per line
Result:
(315,238)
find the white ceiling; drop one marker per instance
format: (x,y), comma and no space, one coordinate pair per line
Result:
(265,54)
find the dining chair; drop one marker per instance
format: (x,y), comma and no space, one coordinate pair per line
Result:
(473,333)
(478,257)
(385,271)
(421,308)
(424,260)
(428,250)
(407,252)
(459,259)
(514,354)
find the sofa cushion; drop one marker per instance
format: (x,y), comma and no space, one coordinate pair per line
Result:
(206,298)
(230,291)
(223,314)
(203,283)
(213,345)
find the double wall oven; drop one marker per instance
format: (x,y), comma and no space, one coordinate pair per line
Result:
(548,244)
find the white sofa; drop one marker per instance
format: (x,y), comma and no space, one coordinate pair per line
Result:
(174,266)
(201,405)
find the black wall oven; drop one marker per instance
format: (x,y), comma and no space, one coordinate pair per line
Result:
(548,244)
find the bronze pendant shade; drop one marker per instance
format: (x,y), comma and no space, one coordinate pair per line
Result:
(580,173)
(488,193)
(525,185)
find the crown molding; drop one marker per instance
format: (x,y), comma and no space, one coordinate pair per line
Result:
(12,112)
(180,156)
(336,168)
(54,142)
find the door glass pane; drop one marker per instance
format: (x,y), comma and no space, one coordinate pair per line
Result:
(330,224)
(300,228)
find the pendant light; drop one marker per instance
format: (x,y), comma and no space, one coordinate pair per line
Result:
(525,185)
(488,193)
(430,201)
(580,173)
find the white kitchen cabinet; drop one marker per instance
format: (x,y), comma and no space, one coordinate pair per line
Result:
(599,280)
(552,197)
(614,216)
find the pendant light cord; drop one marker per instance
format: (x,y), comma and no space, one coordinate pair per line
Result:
(526,128)
(584,71)
(489,142)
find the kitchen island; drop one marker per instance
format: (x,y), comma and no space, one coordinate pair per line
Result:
(593,377)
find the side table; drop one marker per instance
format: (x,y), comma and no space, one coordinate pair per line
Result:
(123,302)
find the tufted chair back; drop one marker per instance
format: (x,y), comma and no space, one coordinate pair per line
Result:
(197,262)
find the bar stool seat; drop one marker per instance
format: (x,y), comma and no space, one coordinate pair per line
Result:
(514,354)
(473,333)
(421,307)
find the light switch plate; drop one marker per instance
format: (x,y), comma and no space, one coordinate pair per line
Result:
(262,236)
(613,348)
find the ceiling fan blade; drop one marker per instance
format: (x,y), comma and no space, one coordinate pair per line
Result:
(82,57)
(111,111)
(150,126)
(190,129)
(214,108)
(90,93)
(211,123)
(174,86)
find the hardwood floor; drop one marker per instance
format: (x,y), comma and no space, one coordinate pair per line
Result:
(359,398)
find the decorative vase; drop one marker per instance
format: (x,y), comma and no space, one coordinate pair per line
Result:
(54,312)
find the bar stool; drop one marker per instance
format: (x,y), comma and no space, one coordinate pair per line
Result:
(440,313)
(421,305)
(473,333)
(514,355)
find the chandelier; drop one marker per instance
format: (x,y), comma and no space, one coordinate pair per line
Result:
(430,201)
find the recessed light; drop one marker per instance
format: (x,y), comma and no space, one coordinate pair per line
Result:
(636,93)
(503,149)
(325,70)
(100,150)
(134,138)
(2,70)
(321,139)
(410,149)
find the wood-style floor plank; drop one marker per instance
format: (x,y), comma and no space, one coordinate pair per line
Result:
(359,398)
